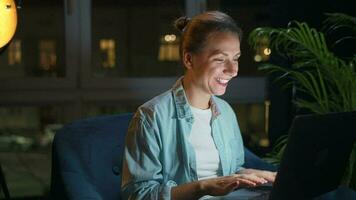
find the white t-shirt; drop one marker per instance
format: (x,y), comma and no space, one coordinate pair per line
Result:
(206,154)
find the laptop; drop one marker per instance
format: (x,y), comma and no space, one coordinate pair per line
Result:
(314,160)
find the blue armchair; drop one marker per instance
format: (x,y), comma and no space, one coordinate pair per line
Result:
(87,156)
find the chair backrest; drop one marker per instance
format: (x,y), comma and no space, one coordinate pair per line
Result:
(86,158)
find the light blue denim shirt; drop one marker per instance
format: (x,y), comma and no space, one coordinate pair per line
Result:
(158,155)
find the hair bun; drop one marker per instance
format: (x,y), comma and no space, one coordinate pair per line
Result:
(181,23)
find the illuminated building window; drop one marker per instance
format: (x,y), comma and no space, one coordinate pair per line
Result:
(14,52)
(263,52)
(107,48)
(47,55)
(169,48)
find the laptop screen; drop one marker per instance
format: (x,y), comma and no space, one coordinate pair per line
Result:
(316,155)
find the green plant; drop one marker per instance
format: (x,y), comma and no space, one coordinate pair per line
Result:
(327,82)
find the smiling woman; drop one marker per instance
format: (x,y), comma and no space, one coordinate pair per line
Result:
(8,21)
(186,142)
(209,71)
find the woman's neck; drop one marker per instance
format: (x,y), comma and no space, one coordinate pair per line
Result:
(196,97)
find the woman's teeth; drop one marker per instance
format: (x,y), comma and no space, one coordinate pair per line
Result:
(223,81)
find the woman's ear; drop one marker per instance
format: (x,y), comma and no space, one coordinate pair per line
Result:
(187,60)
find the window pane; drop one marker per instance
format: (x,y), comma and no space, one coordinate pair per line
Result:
(37,49)
(26,134)
(135,39)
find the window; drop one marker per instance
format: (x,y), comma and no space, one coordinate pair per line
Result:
(47,55)
(14,53)
(169,48)
(37,49)
(107,47)
(75,59)
(148,41)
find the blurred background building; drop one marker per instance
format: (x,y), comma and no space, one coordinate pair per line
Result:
(72,59)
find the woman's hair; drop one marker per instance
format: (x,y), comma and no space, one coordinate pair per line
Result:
(195,31)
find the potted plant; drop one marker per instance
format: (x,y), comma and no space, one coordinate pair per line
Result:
(325,82)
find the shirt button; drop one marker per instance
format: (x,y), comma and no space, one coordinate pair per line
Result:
(116,170)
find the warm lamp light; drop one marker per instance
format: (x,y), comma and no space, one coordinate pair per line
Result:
(8,21)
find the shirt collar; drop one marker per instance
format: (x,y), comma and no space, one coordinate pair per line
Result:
(182,105)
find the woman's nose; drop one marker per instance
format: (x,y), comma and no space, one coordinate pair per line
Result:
(232,68)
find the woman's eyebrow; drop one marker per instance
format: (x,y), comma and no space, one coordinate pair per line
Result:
(215,52)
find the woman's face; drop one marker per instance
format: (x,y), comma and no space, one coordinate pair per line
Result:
(212,68)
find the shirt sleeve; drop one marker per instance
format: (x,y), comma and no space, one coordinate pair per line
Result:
(142,169)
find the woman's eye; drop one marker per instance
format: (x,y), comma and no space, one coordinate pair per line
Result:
(219,60)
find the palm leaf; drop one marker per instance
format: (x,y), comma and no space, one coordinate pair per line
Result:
(338,20)
(328,81)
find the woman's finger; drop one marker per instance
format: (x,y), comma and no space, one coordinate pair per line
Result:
(269,176)
(254,178)
(245,182)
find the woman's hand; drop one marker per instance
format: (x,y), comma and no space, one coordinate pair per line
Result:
(267,175)
(223,185)
(215,186)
